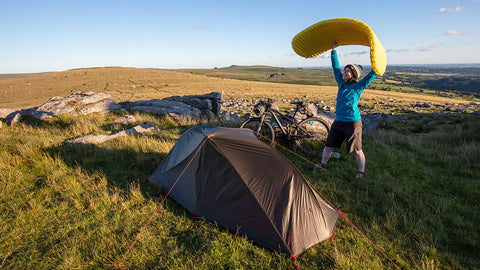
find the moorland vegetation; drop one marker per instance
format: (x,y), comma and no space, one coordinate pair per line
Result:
(82,206)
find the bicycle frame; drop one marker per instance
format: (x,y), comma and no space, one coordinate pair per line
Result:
(279,123)
(270,123)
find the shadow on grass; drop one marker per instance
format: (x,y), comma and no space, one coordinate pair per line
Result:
(121,167)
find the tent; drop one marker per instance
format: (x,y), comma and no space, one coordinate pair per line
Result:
(228,176)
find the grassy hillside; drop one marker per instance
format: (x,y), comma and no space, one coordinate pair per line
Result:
(82,207)
(321,77)
(131,84)
(135,84)
(71,206)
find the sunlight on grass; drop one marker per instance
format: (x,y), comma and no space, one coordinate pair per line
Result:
(82,206)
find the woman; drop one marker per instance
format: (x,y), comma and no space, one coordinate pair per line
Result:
(348,122)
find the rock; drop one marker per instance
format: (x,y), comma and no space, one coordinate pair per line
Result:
(232,117)
(13,118)
(81,103)
(423,105)
(5,112)
(78,103)
(91,139)
(329,117)
(104,107)
(216,100)
(163,107)
(125,120)
(176,117)
(310,109)
(328,108)
(207,114)
(38,114)
(200,103)
(142,128)
(61,105)
(372,121)
(96,139)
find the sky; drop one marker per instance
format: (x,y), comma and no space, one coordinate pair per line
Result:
(45,36)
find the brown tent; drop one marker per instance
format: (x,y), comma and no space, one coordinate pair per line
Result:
(229,176)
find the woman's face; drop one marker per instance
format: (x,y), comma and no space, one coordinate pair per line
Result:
(347,74)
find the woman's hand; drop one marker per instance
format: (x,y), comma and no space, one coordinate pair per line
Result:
(335,45)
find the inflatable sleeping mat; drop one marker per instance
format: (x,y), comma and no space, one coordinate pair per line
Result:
(321,36)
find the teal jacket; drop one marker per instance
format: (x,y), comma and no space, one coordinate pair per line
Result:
(349,93)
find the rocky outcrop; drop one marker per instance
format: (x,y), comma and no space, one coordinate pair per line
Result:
(96,139)
(125,120)
(211,106)
(85,102)
(78,103)
(5,112)
(11,117)
(162,106)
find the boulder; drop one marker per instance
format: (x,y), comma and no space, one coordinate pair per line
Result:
(10,116)
(5,112)
(232,117)
(125,120)
(96,139)
(162,106)
(211,101)
(372,121)
(200,103)
(78,103)
(104,107)
(13,118)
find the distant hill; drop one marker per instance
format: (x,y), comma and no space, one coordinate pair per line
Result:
(461,80)
(132,84)
(17,75)
(322,77)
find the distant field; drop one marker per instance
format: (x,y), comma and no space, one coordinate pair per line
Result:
(321,77)
(131,84)
(453,82)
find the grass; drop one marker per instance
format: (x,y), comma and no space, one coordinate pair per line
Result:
(81,207)
(131,84)
(321,77)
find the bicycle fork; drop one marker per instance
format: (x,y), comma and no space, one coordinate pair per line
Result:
(262,120)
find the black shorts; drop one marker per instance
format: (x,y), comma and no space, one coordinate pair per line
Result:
(341,131)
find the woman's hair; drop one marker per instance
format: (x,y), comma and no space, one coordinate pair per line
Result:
(356,71)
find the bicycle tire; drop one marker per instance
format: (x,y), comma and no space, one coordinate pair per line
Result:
(311,134)
(266,130)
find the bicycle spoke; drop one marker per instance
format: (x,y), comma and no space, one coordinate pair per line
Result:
(263,131)
(311,135)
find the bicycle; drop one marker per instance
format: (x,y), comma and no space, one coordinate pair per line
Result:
(309,134)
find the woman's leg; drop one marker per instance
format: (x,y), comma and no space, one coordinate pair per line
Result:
(327,153)
(360,157)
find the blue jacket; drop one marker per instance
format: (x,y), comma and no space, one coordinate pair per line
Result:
(348,93)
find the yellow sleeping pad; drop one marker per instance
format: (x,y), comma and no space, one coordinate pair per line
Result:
(321,36)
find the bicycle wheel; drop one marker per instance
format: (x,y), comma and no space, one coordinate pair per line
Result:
(311,134)
(264,133)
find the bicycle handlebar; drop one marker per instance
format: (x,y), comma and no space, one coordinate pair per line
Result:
(298,103)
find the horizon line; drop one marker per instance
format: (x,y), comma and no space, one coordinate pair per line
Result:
(292,67)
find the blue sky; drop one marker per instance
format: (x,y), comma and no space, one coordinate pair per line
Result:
(38,36)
